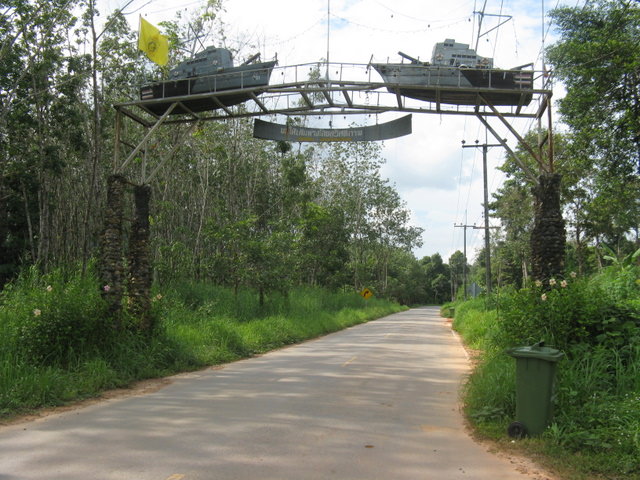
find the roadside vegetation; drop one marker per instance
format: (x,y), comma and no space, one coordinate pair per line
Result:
(57,345)
(595,321)
(255,244)
(589,308)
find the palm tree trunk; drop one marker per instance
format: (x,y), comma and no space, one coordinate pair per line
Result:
(139,260)
(548,237)
(111,252)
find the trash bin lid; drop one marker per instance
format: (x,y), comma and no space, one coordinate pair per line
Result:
(536,351)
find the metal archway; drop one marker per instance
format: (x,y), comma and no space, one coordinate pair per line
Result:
(293,94)
(334,96)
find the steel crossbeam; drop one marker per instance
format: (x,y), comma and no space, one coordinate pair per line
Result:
(317,97)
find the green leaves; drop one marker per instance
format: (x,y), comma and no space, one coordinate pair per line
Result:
(597,57)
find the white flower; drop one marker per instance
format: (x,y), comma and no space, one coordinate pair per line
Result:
(544,297)
(49,288)
(538,283)
(37,312)
(573,274)
(552,282)
(563,284)
(106,288)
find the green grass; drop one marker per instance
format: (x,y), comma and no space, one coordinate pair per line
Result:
(595,431)
(56,345)
(217,330)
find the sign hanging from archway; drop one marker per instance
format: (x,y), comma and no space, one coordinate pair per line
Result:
(290,133)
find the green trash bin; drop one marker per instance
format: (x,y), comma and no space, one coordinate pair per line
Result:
(535,379)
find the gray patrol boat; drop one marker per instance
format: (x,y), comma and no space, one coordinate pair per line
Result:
(456,75)
(209,71)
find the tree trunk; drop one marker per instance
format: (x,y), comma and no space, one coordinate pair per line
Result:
(548,236)
(139,260)
(111,258)
(96,156)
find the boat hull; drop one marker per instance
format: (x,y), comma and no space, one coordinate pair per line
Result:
(458,85)
(229,83)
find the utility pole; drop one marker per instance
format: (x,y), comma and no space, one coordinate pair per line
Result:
(487,242)
(464,268)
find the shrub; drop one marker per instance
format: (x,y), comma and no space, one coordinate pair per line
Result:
(489,392)
(596,322)
(54,318)
(567,312)
(448,310)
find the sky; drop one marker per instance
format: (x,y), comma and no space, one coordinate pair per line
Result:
(441,182)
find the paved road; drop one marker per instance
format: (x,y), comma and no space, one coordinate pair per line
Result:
(377,401)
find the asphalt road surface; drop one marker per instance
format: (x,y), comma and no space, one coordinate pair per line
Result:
(377,401)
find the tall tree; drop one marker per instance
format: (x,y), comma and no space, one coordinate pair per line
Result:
(459,273)
(598,58)
(41,118)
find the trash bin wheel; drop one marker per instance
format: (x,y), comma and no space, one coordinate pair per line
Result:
(516,430)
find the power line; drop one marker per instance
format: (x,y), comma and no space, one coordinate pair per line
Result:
(386,30)
(412,17)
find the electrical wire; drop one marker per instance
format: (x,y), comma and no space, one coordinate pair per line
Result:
(395,12)
(386,30)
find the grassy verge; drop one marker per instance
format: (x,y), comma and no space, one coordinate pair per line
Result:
(56,347)
(595,430)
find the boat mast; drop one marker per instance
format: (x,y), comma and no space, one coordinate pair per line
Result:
(481,14)
(480,19)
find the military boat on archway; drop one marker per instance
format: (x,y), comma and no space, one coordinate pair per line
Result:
(457,75)
(208,72)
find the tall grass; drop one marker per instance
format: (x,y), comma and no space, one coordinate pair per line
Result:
(217,326)
(596,425)
(57,345)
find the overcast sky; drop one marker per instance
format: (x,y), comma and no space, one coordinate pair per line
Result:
(440,181)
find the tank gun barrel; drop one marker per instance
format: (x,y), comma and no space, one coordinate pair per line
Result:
(251,59)
(409,57)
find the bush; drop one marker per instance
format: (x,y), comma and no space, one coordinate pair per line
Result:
(448,310)
(489,392)
(477,326)
(596,323)
(54,318)
(567,312)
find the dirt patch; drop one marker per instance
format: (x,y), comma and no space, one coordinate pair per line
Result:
(521,463)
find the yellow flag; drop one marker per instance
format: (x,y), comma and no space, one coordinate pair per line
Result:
(153,43)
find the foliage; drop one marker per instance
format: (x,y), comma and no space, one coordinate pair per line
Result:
(597,57)
(596,323)
(55,345)
(52,319)
(571,311)
(479,326)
